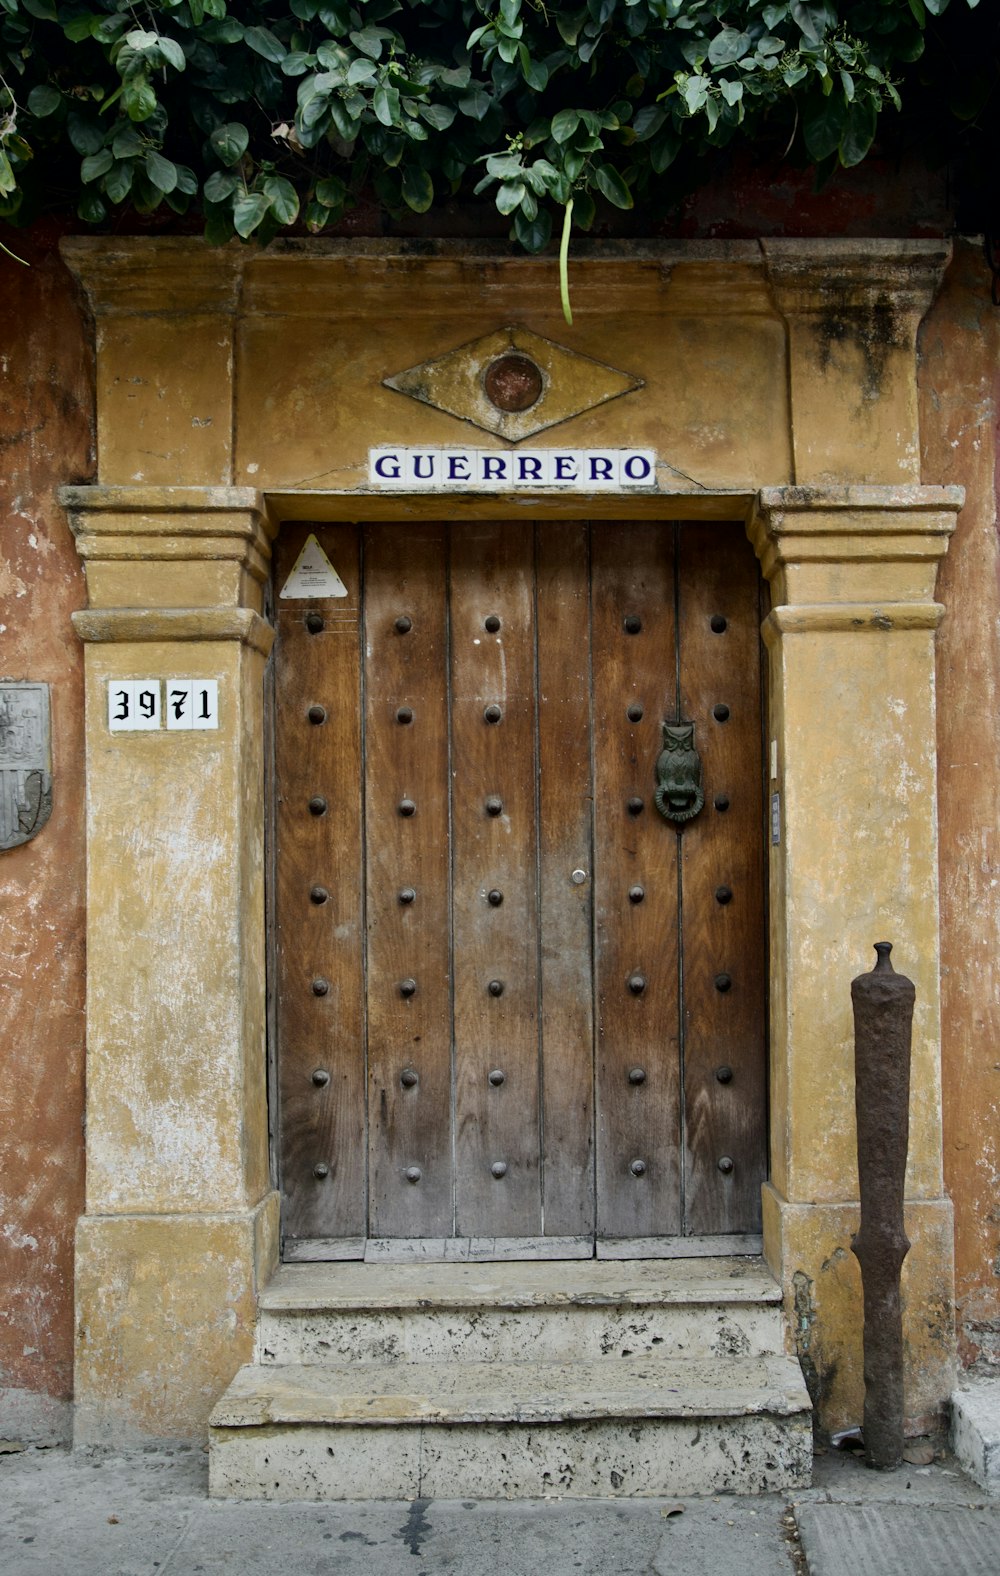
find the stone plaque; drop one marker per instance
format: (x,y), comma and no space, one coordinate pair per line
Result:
(25,761)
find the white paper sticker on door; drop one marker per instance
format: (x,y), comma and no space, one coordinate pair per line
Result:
(313,574)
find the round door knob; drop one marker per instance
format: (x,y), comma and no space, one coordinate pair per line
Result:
(320,987)
(321,1171)
(406,807)
(412,1173)
(403,624)
(492,714)
(717,623)
(317,805)
(408,1078)
(494,898)
(314,623)
(636,894)
(723,894)
(725,1165)
(724,1074)
(496,1077)
(637,984)
(723,982)
(637,1075)
(407,988)
(722,801)
(318,895)
(492,623)
(495,987)
(321,1077)
(404,715)
(635,805)
(494,805)
(499,1168)
(720,713)
(633,624)
(316,714)
(407,895)
(638,1168)
(634,713)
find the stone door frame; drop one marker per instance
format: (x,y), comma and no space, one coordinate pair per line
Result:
(181,1223)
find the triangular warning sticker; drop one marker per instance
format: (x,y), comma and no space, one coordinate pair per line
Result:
(313,574)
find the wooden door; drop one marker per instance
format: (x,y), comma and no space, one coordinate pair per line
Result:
(519,1011)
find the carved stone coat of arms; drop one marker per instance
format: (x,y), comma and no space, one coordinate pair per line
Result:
(25,761)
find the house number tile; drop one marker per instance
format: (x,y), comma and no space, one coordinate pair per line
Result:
(154,705)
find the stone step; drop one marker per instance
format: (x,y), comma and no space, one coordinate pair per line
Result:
(338,1313)
(635,1427)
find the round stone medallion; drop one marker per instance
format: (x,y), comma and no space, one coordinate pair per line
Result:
(513,382)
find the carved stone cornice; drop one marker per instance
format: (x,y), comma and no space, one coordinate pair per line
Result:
(171,546)
(865,545)
(126,625)
(838,275)
(160,276)
(170,523)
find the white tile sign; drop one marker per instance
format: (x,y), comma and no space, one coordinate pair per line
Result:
(134,705)
(511,470)
(147,705)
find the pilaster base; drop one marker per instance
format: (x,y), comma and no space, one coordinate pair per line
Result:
(165,1315)
(808,1247)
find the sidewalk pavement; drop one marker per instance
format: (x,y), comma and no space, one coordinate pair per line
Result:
(146,1513)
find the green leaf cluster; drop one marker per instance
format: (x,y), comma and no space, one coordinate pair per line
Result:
(261,115)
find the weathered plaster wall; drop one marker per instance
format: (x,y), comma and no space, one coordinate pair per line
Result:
(960,397)
(45,439)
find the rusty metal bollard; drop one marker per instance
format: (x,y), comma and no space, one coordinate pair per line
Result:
(883,1022)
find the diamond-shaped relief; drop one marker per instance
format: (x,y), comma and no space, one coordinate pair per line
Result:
(513,383)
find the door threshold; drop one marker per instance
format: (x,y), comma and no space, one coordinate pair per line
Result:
(736,1245)
(486,1250)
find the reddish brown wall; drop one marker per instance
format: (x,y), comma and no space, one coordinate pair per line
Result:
(960,383)
(45,439)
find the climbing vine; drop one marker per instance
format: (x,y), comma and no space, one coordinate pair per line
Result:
(262,115)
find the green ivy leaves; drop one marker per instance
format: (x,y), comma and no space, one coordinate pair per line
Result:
(273,117)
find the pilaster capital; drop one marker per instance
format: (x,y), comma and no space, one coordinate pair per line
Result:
(852,309)
(162,275)
(834,277)
(170,547)
(852,548)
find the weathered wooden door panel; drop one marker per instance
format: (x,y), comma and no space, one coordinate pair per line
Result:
(319,913)
(721,889)
(498,1184)
(407,881)
(564,994)
(565,877)
(635,871)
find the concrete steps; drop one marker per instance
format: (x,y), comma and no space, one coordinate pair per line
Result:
(515,1380)
(511,1312)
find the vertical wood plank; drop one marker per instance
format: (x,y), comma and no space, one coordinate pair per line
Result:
(322,1124)
(496,1124)
(406,759)
(723,851)
(565,803)
(632,577)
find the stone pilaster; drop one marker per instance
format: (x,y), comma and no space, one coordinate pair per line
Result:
(852,753)
(181,1220)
